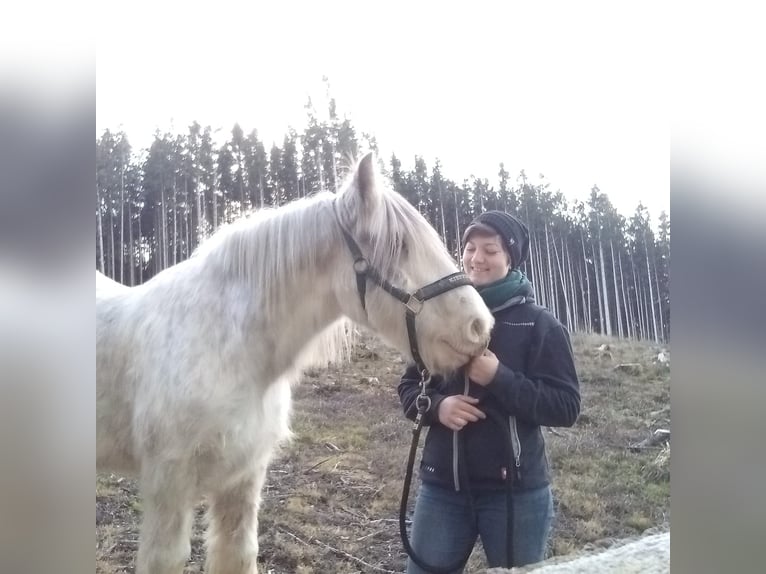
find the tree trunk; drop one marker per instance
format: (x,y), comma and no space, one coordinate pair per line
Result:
(200,215)
(598,290)
(560,266)
(215,210)
(319,166)
(617,305)
(100,232)
(588,310)
(122,218)
(163,228)
(260,186)
(651,292)
(334,169)
(604,289)
(458,238)
(441,214)
(659,301)
(241,182)
(551,278)
(131,246)
(158,243)
(175,222)
(113,274)
(140,251)
(639,303)
(572,284)
(626,301)
(584,303)
(537,269)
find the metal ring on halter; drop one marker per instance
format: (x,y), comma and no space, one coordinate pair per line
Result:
(419,403)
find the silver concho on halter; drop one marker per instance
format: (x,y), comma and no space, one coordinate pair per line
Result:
(361,265)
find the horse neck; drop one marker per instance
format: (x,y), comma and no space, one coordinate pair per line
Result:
(285,270)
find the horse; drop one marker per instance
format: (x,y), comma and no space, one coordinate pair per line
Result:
(195,367)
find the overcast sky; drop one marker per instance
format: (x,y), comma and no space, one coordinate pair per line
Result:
(574,91)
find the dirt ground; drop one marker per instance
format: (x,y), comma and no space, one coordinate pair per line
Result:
(331,501)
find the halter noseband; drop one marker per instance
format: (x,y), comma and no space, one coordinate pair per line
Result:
(412,301)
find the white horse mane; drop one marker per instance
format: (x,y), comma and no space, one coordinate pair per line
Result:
(243,246)
(271,246)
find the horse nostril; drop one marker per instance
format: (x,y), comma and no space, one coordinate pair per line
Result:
(478,329)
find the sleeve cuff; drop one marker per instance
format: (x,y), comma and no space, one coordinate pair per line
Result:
(503,376)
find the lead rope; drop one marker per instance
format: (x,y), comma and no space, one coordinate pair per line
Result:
(423,403)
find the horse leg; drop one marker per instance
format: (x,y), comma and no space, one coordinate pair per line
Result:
(232,535)
(164,542)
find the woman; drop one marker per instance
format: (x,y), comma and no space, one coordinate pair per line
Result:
(526,379)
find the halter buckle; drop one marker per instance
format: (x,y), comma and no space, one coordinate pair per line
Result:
(414,305)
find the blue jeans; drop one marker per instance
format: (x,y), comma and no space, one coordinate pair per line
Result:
(444,531)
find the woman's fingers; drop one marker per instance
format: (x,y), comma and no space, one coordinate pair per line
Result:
(467,416)
(457,411)
(471,412)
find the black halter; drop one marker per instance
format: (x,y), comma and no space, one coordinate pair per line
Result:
(412,301)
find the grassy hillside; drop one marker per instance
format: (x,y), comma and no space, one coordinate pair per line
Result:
(332,495)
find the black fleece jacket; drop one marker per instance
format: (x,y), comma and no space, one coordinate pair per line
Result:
(535,385)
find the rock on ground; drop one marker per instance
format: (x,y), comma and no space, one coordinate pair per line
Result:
(647,555)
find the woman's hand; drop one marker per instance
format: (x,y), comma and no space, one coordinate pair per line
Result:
(456,411)
(482,369)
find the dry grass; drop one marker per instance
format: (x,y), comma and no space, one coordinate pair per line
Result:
(332,496)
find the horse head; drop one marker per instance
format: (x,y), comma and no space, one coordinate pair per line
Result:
(406,253)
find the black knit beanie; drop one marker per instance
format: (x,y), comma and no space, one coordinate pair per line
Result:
(513,232)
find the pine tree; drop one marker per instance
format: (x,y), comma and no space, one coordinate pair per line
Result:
(663,274)
(207,164)
(256,166)
(587,264)
(227,192)
(238,153)
(288,168)
(274,188)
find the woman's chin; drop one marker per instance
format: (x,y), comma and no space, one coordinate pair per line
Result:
(479,280)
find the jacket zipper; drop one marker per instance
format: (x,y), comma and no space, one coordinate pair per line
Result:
(515,445)
(455,473)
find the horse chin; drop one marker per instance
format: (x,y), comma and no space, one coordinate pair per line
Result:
(446,359)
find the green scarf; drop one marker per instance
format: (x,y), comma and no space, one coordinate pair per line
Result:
(502,290)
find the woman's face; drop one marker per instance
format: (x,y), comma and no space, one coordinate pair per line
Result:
(484,259)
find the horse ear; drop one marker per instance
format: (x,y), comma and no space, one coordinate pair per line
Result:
(365,177)
(364,196)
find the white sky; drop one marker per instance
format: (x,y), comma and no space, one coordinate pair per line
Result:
(573,90)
